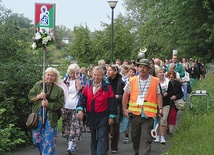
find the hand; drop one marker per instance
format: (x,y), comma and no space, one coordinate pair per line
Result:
(117,96)
(173,97)
(160,113)
(110,121)
(165,94)
(80,115)
(126,112)
(42,95)
(44,103)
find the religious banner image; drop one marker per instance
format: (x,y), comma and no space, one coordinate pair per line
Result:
(45,18)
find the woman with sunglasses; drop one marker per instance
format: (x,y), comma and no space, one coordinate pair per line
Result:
(115,79)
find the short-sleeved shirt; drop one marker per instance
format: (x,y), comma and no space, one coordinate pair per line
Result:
(143,87)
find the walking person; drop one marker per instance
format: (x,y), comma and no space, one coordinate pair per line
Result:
(117,83)
(185,82)
(47,103)
(167,91)
(131,73)
(145,102)
(71,126)
(178,95)
(99,101)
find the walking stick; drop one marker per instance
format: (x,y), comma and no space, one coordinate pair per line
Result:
(43,86)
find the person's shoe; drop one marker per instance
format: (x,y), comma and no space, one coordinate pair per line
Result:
(68,152)
(157,140)
(126,140)
(88,129)
(114,152)
(74,149)
(162,140)
(170,134)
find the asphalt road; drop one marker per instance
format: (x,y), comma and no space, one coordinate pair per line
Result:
(84,146)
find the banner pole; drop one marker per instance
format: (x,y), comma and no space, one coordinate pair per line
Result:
(43,86)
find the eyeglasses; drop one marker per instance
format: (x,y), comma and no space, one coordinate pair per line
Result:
(114,67)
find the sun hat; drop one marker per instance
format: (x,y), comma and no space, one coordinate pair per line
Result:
(144,62)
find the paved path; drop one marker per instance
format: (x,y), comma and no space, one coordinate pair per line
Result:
(84,146)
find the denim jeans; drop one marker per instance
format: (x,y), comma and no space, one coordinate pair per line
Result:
(98,141)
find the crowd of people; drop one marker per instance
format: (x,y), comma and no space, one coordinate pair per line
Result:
(98,98)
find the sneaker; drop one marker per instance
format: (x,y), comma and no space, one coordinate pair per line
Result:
(68,152)
(157,140)
(126,140)
(170,134)
(114,152)
(162,140)
(74,149)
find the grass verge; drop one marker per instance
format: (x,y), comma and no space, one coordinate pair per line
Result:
(194,134)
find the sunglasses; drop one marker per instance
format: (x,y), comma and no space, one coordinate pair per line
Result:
(114,67)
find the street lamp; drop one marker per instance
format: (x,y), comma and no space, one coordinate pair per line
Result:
(112,5)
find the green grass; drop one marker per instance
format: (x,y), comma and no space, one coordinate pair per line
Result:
(194,134)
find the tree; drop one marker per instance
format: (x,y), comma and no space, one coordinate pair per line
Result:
(165,25)
(19,73)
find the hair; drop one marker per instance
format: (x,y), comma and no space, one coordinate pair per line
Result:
(90,67)
(171,65)
(114,67)
(102,60)
(83,68)
(72,67)
(126,67)
(98,68)
(158,69)
(133,62)
(132,68)
(126,61)
(171,73)
(118,60)
(56,72)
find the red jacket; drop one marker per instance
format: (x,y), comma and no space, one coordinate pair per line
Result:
(99,107)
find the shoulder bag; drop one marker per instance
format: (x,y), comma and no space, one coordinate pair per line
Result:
(179,104)
(32,120)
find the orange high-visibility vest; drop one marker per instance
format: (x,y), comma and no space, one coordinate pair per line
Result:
(150,100)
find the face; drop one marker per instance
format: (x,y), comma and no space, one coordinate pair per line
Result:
(160,74)
(71,74)
(143,71)
(184,60)
(111,72)
(84,71)
(97,76)
(124,71)
(174,58)
(118,62)
(125,63)
(171,77)
(131,73)
(50,77)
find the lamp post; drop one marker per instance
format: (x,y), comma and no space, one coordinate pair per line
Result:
(112,5)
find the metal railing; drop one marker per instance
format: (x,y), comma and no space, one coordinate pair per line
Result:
(199,93)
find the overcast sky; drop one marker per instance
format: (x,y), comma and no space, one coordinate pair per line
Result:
(70,12)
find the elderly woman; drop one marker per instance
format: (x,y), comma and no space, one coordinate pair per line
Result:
(70,124)
(47,103)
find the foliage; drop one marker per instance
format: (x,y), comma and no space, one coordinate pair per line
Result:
(166,25)
(20,72)
(193,135)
